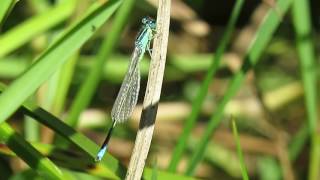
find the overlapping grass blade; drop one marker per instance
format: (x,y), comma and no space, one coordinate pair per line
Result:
(196,106)
(53,58)
(239,151)
(64,80)
(262,37)
(24,32)
(90,84)
(30,155)
(109,165)
(5,8)
(305,47)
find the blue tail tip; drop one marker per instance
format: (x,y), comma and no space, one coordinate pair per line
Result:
(101,153)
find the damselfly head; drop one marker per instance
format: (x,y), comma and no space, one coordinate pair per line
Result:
(148,21)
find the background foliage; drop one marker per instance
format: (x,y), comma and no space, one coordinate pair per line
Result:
(62,63)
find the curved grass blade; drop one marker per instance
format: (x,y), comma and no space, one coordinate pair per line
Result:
(53,58)
(108,166)
(196,106)
(19,35)
(29,154)
(262,37)
(5,8)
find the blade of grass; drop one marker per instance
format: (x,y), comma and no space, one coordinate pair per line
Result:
(65,78)
(90,84)
(239,151)
(31,129)
(196,106)
(298,141)
(302,25)
(25,31)
(258,44)
(5,8)
(53,58)
(110,164)
(30,155)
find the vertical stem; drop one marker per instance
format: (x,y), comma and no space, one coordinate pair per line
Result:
(302,24)
(152,95)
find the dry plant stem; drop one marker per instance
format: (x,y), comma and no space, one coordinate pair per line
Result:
(152,95)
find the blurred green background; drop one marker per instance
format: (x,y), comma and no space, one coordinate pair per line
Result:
(239,96)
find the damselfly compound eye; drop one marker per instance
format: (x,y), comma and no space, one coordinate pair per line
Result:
(149,22)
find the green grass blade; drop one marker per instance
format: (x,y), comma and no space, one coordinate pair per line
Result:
(5,8)
(298,141)
(31,129)
(239,151)
(78,139)
(262,37)
(22,33)
(196,106)
(64,81)
(109,165)
(53,58)
(88,88)
(305,47)
(30,155)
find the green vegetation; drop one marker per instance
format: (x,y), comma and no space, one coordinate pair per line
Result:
(62,64)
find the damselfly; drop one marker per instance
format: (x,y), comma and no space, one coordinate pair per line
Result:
(129,91)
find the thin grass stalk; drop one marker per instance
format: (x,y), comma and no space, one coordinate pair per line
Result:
(244,171)
(298,142)
(196,106)
(65,78)
(152,95)
(305,47)
(258,44)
